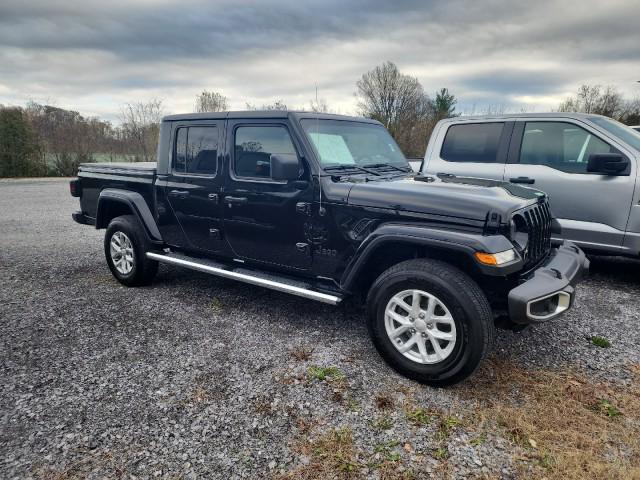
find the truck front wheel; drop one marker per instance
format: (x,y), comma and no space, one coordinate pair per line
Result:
(125,247)
(430,321)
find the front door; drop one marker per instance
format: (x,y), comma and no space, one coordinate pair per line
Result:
(552,156)
(194,186)
(264,219)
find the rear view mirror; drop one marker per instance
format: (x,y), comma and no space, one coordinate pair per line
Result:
(285,166)
(608,164)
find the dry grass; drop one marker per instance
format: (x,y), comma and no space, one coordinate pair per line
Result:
(302,353)
(569,426)
(384,401)
(333,455)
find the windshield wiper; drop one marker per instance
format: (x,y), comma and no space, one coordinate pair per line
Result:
(350,167)
(380,165)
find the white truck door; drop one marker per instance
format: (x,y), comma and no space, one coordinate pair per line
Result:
(469,148)
(552,156)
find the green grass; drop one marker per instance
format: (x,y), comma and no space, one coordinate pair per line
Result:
(325,373)
(420,416)
(600,341)
(608,408)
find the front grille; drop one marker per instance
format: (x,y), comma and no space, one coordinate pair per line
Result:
(537,219)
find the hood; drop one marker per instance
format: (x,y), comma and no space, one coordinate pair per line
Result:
(469,198)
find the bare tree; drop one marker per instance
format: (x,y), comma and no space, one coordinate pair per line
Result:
(391,97)
(593,99)
(276,105)
(319,105)
(141,125)
(211,102)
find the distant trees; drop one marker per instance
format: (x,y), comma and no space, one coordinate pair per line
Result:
(211,102)
(399,102)
(603,101)
(20,152)
(141,127)
(276,105)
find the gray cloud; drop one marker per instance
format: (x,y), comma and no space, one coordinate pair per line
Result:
(96,55)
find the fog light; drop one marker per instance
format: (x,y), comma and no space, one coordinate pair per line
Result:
(549,306)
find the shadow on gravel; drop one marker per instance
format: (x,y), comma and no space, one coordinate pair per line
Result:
(617,269)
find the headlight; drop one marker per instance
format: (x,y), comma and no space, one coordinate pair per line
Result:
(519,233)
(499,258)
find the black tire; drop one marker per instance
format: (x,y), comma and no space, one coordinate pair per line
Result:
(143,270)
(466,303)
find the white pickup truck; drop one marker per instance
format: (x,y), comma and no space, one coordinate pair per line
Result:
(587,164)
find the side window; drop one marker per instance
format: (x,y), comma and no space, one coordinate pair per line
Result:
(560,145)
(196,150)
(254,146)
(180,159)
(472,142)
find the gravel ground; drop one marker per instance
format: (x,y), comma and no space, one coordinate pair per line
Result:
(193,376)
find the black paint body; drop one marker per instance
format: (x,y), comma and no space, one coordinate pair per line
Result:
(320,226)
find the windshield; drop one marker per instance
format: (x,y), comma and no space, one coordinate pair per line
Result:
(345,143)
(624,133)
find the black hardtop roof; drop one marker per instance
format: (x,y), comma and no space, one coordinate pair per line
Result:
(259,114)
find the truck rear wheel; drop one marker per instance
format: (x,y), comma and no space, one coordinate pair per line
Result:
(430,321)
(125,247)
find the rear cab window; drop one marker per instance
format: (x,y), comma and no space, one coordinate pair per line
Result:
(472,143)
(196,150)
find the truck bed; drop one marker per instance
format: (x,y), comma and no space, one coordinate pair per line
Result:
(95,177)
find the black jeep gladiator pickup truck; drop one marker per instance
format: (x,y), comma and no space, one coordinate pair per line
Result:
(326,207)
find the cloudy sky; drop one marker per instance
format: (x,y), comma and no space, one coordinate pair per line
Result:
(95,55)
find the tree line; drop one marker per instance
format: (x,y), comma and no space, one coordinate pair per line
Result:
(45,140)
(41,140)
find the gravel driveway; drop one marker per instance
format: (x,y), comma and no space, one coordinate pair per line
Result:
(200,377)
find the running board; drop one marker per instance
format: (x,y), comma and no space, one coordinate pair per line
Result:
(280,284)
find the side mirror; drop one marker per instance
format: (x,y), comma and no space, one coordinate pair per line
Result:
(608,164)
(285,166)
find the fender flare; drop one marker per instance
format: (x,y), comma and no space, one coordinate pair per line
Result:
(138,206)
(464,243)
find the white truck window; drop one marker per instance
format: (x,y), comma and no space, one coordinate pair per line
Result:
(472,142)
(560,145)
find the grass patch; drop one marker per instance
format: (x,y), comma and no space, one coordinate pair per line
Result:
(479,440)
(420,416)
(581,428)
(447,425)
(385,422)
(441,453)
(333,455)
(324,373)
(600,341)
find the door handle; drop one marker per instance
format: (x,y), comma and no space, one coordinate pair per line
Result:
(527,180)
(236,200)
(213,197)
(179,193)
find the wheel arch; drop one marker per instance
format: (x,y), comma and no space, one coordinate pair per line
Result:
(114,202)
(392,244)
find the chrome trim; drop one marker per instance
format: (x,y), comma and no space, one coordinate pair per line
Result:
(564,302)
(261,282)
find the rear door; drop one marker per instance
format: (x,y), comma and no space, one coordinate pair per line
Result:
(194,185)
(470,149)
(552,155)
(264,219)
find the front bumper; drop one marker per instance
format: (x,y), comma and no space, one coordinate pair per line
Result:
(550,290)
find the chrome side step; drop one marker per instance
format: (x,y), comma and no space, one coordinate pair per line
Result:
(214,268)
